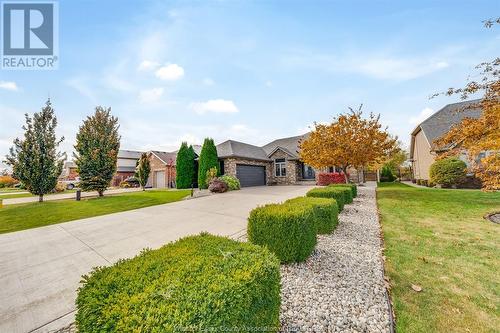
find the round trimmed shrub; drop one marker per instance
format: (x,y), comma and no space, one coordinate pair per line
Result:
(195,284)
(353,187)
(286,230)
(331,193)
(448,172)
(325,212)
(232,182)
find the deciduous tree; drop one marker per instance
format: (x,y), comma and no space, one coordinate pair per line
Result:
(35,160)
(208,159)
(481,135)
(97,145)
(142,170)
(349,141)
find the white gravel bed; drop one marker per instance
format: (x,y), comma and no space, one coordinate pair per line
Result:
(340,288)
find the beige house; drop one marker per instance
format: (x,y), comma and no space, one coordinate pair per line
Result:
(423,150)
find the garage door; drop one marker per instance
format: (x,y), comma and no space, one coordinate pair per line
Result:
(251,175)
(160,179)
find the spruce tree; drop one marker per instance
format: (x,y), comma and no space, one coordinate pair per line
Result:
(97,145)
(34,159)
(142,170)
(184,165)
(208,159)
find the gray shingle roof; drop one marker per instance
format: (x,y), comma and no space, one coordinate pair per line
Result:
(232,148)
(132,154)
(167,158)
(443,120)
(289,145)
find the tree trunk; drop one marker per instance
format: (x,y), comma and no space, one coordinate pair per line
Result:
(101,193)
(344,170)
(40,198)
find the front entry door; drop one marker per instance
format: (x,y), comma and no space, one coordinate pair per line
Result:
(308,172)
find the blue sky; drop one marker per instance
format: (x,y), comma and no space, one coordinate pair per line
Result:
(249,70)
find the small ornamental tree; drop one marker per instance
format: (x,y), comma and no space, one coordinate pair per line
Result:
(349,141)
(97,145)
(208,159)
(142,170)
(448,172)
(35,160)
(184,166)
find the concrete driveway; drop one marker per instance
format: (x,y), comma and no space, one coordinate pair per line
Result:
(40,269)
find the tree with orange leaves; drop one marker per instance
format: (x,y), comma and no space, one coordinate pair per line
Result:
(349,141)
(481,135)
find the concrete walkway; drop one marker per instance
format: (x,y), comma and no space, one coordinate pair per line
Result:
(71,195)
(40,269)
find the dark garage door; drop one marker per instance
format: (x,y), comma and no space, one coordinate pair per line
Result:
(251,175)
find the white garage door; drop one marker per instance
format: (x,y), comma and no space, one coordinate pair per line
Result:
(160,179)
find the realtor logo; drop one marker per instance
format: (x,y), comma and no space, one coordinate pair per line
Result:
(29,35)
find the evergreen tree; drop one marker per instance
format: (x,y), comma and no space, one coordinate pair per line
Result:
(97,145)
(142,170)
(208,159)
(184,166)
(194,174)
(35,160)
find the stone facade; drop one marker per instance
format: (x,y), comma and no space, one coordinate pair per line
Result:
(292,169)
(230,166)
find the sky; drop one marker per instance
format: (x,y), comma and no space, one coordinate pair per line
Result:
(251,71)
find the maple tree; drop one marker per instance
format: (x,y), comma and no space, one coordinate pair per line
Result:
(349,141)
(480,135)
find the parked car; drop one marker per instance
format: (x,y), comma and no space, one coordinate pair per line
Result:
(130,182)
(71,183)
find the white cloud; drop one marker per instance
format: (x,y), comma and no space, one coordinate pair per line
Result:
(208,81)
(378,66)
(150,95)
(424,114)
(170,72)
(214,105)
(147,65)
(8,85)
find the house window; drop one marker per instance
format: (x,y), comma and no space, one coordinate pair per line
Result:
(280,167)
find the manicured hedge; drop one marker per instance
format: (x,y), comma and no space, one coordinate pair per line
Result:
(287,230)
(199,283)
(327,178)
(448,172)
(325,212)
(329,192)
(353,187)
(347,193)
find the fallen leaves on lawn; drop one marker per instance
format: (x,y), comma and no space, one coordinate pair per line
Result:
(416,288)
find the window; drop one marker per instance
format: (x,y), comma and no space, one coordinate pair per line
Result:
(280,167)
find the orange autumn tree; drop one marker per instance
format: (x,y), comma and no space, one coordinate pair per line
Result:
(481,135)
(349,141)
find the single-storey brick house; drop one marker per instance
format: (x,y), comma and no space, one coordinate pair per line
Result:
(423,150)
(125,165)
(277,162)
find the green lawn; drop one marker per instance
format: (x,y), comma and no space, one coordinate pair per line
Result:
(438,239)
(32,215)
(9,189)
(25,195)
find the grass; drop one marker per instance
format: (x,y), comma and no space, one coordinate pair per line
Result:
(26,195)
(33,215)
(9,189)
(438,239)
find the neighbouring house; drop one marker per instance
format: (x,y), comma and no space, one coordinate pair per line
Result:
(423,150)
(277,162)
(69,171)
(125,165)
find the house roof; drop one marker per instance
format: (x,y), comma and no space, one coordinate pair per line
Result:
(231,148)
(131,154)
(443,120)
(289,145)
(167,158)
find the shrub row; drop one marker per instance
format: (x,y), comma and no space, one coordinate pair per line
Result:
(325,212)
(287,230)
(341,195)
(198,283)
(327,178)
(353,187)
